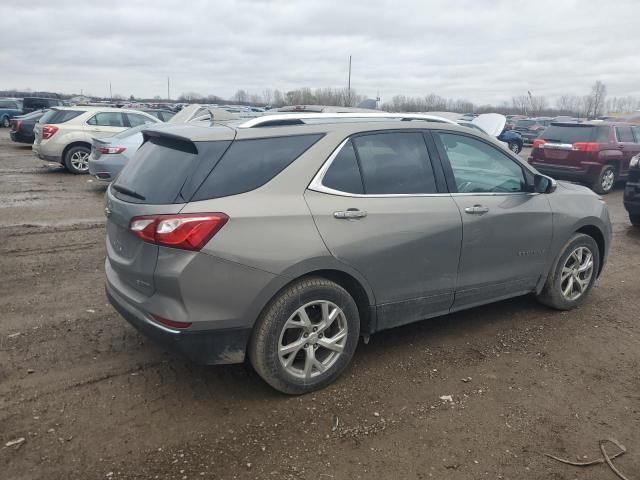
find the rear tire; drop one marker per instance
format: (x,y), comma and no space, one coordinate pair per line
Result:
(514,147)
(634,219)
(77,160)
(292,336)
(606,180)
(571,278)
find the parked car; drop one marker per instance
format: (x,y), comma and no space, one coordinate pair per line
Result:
(31,104)
(510,138)
(64,134)
(596,153)
(632,191)
(9,108)
(22,127)
(160,114)
(288,243)
(531,128)
(110,154)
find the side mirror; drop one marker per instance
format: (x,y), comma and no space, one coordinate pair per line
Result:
(544,184)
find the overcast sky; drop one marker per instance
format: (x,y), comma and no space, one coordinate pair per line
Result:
(480,50)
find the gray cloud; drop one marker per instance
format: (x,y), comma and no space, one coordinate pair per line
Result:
(478,50)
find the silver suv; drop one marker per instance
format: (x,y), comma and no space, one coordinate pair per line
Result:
(289,237)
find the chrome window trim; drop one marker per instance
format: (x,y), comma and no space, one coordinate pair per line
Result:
(316,185)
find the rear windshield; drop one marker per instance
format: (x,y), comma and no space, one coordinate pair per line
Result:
(162,171)
(575,133)
(167,170)
(59,116)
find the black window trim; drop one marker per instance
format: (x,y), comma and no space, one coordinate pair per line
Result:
(316,184)
(450,178)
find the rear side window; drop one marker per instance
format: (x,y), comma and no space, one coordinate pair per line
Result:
(570,133)
(136,120)
(164,170)
(107,119)
(344,174)
(59,116)
(395,163)
(636,133)
(249,164)
(624,134)
(8,104)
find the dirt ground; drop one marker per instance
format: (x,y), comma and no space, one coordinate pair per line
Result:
(94,399)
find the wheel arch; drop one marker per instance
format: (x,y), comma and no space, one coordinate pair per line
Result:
(77,143)
(349,279)
(595,233)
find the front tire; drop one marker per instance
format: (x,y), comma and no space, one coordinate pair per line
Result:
(573,275)
(606,180)
(6,123)
(515,148)
(306,336)
(77,159)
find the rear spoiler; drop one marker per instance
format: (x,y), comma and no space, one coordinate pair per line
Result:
(170,140)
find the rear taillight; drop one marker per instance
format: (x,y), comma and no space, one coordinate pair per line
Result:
(16,125)
(586,146)
(107,150)
(189,231)
(538,143)
(48,131)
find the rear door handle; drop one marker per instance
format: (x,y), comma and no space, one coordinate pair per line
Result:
(476,210)
(350,213)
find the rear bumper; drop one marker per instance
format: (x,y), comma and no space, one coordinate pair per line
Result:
(107,167)
(208,347)
(19,138)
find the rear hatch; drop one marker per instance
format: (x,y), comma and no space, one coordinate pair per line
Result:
(53,117)
(569,144)
(159,179)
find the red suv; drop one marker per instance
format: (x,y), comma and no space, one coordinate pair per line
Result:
(596,153)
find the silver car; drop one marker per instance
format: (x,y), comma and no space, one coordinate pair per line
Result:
(289,237)
(110,154)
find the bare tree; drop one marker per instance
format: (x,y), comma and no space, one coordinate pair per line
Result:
(241,96)
(520,103)
(595,101)
(267,95)
(278,99)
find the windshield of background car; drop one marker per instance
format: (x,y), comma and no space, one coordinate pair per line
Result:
(525,123)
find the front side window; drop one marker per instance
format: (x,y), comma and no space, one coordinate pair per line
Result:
(624,134)
(107,119)
(394,163)
(480,168)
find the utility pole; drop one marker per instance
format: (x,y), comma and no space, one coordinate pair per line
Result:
(168,90)
(349,85)
(110,92)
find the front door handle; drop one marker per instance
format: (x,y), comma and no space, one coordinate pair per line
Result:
(476,210)
(350,213)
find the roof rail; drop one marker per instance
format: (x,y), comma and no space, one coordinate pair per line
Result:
(287,118)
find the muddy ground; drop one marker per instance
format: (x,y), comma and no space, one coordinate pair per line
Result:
(94,399)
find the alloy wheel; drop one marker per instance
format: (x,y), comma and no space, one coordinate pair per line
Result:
(80,160)
(312,339)
(608,179)
(576,273)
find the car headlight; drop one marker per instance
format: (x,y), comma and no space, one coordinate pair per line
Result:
(635,161)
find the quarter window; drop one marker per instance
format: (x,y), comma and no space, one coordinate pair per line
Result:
(480,168)
(623,134)
(107,119)
(344,174)
(394,163)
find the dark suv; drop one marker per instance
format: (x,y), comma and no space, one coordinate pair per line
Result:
(531,128)
(596,153)
(31,104)
(632,191)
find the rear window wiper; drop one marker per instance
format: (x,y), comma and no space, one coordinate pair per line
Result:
(128,192)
